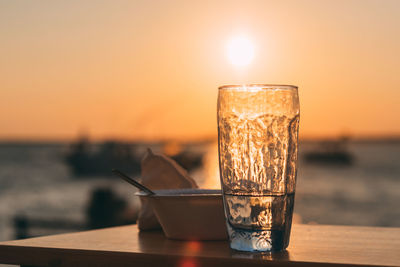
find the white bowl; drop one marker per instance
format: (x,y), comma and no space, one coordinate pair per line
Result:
(189,214)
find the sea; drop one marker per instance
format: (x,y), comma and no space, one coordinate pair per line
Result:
(37,183)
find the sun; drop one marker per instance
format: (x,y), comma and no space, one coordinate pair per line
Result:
(240,51)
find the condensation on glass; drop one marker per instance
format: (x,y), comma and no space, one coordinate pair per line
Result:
(258,142)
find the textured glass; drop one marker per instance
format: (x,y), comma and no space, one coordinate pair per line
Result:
(257,141)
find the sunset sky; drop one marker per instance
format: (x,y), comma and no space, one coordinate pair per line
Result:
(151,69)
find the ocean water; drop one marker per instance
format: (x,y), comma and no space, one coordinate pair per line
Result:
(36,182)
(365,193)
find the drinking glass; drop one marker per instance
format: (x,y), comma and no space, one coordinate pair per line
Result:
(257,144)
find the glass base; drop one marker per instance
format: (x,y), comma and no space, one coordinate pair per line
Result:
(256,240)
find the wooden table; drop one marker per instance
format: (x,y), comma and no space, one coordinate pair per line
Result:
(121,246)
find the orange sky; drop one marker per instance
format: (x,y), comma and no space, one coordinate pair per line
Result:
(150,69)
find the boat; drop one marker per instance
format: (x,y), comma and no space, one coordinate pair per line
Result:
(85,160)
(331,152)
(88,159)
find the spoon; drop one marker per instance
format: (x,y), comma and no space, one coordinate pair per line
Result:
(133,182)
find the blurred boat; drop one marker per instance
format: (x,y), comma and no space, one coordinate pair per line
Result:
(87,159)
(189,160)
(185,157)
(84,160)
(333,152)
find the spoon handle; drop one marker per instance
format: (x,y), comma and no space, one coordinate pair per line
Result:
(133,182)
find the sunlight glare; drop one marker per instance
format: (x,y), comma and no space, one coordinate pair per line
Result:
(240,51)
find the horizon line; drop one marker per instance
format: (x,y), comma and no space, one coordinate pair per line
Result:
(213,138)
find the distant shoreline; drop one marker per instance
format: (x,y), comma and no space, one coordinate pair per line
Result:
(359,140)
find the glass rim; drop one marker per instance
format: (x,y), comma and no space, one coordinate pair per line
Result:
(261,86)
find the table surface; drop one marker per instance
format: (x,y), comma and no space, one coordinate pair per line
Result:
(121,246)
